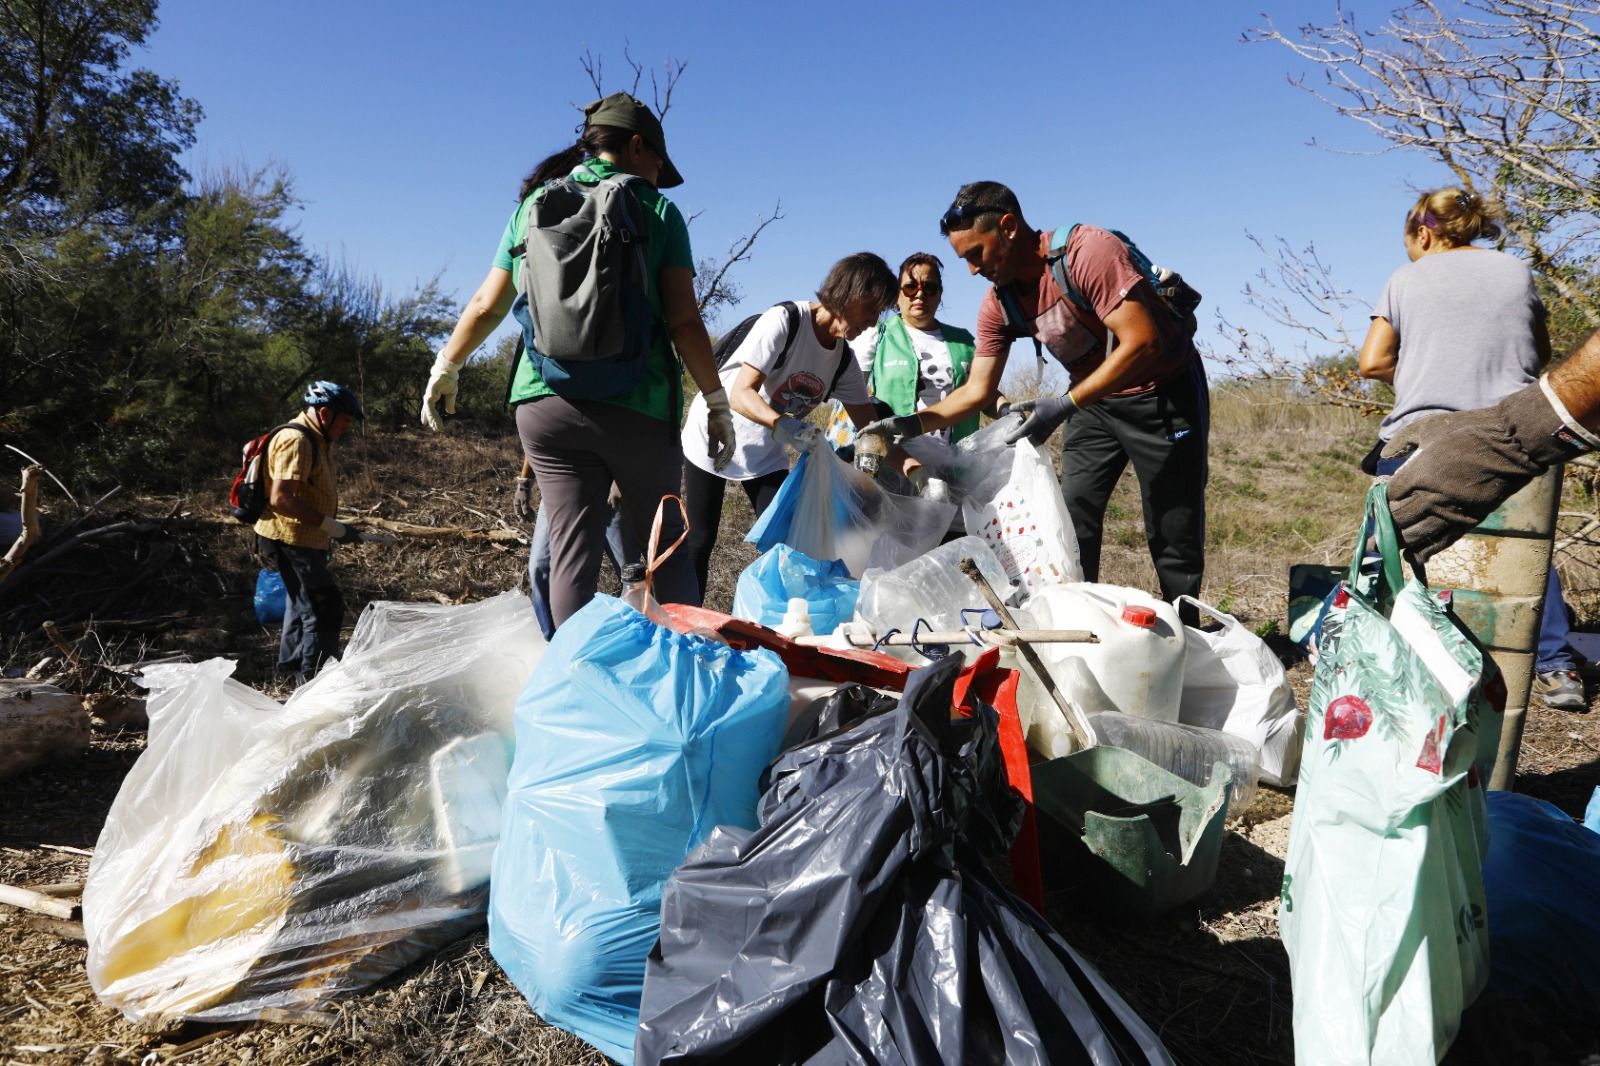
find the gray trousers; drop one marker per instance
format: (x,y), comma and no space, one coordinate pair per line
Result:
(1165,433)
(577,449)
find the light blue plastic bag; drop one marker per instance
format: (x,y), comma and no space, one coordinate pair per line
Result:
(271,599)
(632,743)
(784,573)
(830,510)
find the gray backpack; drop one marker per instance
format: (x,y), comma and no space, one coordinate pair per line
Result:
(583,296)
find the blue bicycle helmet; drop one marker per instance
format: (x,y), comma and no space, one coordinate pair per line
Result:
(336,396)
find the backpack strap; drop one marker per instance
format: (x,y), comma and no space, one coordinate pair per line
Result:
(266,446)
(1059,267)
(791,329)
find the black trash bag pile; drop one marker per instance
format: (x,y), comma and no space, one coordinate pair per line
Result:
(859,924)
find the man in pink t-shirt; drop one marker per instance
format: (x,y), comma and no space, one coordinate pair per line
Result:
(1136,389)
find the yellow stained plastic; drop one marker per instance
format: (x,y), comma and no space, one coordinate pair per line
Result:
(249,901)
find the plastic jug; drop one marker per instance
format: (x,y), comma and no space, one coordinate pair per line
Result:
(931,588)
(1139,658)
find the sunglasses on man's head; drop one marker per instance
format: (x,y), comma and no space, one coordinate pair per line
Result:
(966,213)
(912,286)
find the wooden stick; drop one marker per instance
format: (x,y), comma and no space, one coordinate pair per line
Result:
(37,902)
(60,888)
(30,522)
(63,929)
(62,646)
(1040,672)
(1003,638)
(286,1016)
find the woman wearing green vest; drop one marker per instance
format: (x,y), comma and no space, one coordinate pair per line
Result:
(579,447)
(911,359)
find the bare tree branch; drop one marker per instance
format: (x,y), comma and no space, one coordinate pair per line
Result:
(711,279)
(1502,92)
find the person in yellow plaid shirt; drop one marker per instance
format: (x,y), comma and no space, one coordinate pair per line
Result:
(295,533)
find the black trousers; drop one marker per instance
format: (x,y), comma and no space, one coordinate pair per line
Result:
(1165,434)
(702,500)
(314,611)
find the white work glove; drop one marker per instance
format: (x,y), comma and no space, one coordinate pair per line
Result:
(719,428)
(801,436)
(441,388)
(340,532)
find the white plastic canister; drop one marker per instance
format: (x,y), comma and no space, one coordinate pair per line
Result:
(1139,658)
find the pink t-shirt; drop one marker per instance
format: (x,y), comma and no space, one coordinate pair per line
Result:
(1106,276)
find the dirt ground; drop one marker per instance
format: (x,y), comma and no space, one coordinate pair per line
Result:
(1212,978)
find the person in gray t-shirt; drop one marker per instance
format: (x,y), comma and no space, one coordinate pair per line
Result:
(1457,329)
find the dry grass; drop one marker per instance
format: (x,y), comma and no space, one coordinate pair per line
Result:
(1212,977)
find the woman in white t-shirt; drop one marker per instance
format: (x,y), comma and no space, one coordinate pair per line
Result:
(773,382)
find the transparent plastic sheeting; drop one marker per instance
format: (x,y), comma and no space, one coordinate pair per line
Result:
(830,510)
(633,743)
(264,855)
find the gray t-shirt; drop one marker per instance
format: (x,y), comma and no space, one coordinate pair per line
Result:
(1466,324)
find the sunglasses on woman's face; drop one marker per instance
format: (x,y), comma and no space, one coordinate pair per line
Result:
(912,286)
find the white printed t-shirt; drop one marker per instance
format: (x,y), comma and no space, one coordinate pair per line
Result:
(795,389)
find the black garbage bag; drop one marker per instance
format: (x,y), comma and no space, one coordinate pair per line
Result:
(858,923)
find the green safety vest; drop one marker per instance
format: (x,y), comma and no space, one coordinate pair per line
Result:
(895,371)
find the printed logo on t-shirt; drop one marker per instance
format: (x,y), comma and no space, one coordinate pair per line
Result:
(1065,334)
(801,392)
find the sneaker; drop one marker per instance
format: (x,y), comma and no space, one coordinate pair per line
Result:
(1561,690)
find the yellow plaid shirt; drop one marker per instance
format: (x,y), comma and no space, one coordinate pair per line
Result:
(289,458)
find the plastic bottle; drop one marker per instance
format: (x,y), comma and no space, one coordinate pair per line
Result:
(636,594)
(796,620)
(1185,750)
(870,450)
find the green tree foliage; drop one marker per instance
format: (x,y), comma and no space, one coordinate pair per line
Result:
(146,319)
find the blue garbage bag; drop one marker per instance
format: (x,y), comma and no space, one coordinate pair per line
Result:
(632,743)
(271,599)
(784,573)
(1542,880)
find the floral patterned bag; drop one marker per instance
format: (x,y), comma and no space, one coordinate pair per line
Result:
(1382,909)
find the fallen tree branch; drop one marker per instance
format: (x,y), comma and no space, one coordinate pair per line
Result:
(37,902)
(409,529)
(29,535)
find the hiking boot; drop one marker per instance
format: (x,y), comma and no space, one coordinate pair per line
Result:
(1561,690)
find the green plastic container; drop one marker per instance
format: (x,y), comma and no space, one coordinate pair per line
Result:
(1135,839)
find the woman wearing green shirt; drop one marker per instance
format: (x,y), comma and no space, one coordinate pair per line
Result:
(578,448)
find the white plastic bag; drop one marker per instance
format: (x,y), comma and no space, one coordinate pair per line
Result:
(262,855)
(1233,682)
(1023,518)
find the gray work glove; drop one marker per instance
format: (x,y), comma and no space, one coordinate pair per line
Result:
(522,499)
(720,440)
(893,430)
(798,435)
(1044,415)
(1464,464)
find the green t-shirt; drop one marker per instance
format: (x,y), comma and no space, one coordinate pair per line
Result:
(667,245)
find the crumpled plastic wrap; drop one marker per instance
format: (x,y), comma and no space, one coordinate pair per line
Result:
(858,923)
(828,509)
(263,855)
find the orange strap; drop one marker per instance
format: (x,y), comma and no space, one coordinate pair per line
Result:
(653,559)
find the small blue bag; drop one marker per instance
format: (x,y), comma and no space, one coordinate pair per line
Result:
(271,599)
(633,742)
(784,573)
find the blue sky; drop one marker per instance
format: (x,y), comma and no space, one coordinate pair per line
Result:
(407,125)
